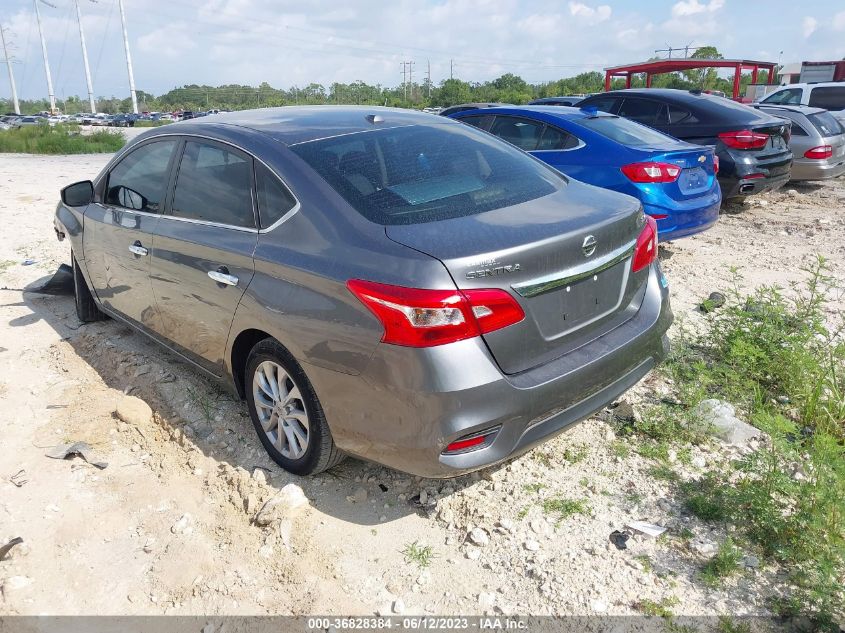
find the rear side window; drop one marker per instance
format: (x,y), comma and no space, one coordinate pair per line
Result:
(274,199)
(643,111)
(214,185)
(678,115)
(828,97)
(626,132)
(555,139)
(825,123)
(790,96)
(139,180)
(523,133)
(415,174)
(798,130)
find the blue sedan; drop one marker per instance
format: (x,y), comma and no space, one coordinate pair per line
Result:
(675,181)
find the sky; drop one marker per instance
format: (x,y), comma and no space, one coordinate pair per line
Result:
(287,42)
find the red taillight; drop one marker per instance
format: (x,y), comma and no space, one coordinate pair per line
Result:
(645,252)
(415,317)
(651,172)
(471,442)
(715,164)
(744,139)
(820,152)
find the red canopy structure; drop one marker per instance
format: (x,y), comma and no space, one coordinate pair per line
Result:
(660,66)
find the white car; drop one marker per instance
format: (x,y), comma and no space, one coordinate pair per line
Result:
(829,95)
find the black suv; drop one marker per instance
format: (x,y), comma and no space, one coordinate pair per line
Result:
(753,147)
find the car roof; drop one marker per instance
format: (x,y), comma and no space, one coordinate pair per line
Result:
(664,94)
(813,84)
(560,112)
(798,109)
(299,124)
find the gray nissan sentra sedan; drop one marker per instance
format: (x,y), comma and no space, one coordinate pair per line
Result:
(375,282)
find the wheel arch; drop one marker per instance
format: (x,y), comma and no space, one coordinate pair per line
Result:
(241,346)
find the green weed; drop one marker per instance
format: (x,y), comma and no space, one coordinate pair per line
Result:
(421,556)
(60,139)
(724,563)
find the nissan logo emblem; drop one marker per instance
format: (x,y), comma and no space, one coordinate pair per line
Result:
(589,245)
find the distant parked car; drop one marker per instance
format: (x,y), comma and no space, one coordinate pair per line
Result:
(468,106)
(27,121)
(675,181)
(817,141)
(374,281)
(187,115)
(5,126)
(829,95)
(561,101)
(122,120)
(752,146)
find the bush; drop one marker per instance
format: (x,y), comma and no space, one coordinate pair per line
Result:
(781,360)
(61,139)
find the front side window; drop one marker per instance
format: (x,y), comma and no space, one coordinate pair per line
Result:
(214,185)
(523,133)
(791,96)
(415,174)
(828,97)
(139,180)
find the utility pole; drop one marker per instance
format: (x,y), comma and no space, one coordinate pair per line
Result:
(85,60)
(8,59)
(428,76)
(128,58)
(46,61)
(411,77)
(405,80)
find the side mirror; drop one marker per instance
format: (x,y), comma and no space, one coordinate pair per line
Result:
(130,199)
(78,194)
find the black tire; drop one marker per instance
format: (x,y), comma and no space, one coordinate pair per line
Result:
(86,308)
(321,452)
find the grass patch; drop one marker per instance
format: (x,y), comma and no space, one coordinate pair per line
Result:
(575,454)
(421,556)
(533,488)
(59,139)
(6,264)
(780,360)
(565,508)
(662,609)
(729,625)
(724,563)
(645,561)
(620,449)
(663,472)
(151,123)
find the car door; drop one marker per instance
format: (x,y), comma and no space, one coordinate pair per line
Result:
(118,230)
(202,249)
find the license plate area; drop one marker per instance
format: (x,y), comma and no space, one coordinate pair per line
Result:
(571,306)
(693,180)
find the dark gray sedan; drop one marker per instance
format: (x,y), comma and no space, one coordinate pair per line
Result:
(388,284)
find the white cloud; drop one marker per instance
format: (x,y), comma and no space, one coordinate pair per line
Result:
(809,25)
(839,21)
(692,7)
(593,16)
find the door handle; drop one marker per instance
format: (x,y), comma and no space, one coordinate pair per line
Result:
(137,249)
(222,276)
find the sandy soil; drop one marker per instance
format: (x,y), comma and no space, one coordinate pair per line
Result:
(118,541)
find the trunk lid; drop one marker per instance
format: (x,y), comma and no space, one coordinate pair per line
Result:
(565,257)
(698,172)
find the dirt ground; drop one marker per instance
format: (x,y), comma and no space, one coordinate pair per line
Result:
(168,526)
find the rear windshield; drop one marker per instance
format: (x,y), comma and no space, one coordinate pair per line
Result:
(415,174)
(826,123)
(626,131)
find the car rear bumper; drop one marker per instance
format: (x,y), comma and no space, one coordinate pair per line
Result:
(688,220)
(818,169)
(409,404)
(733,187)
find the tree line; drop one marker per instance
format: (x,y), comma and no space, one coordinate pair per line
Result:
(509,88)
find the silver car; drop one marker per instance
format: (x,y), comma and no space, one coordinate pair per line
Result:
(383,283)
(817,141)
